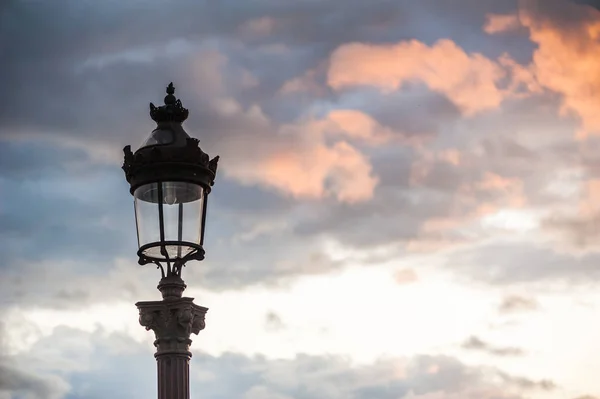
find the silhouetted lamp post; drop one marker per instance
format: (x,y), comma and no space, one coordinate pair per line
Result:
(170,179)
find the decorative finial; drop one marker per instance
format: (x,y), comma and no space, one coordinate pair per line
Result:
(170,98)
(172,111)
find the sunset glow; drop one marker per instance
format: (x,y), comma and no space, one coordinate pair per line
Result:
(407,204)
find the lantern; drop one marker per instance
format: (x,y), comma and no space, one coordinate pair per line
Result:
(170,179)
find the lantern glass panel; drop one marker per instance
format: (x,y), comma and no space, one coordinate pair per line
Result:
(146,214)
(182,205)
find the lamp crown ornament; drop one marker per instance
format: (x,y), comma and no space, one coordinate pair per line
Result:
(172,111)
(181,149)
(191,154)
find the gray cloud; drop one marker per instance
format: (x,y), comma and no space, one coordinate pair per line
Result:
(507,263)
(273,322)
(48,88)
(593,3)
(38,160)
(86,363)
(414,111)
(515,303)
(20,382)
(476,344)
(561,12)
(580,232)
(528,384)
(52,213)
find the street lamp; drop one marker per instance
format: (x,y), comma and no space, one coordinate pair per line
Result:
(170,178)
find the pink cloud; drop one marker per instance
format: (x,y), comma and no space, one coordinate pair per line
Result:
(309,159)
(469,80)
(499,23)
(338,170)
(568,63)
(405,276)
(566,58)
(358,125)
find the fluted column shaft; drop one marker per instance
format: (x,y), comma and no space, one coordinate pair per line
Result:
(173,376)
(173,320)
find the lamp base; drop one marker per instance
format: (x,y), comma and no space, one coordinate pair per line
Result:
(171,287)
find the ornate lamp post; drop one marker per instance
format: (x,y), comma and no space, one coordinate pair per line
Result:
(170,179)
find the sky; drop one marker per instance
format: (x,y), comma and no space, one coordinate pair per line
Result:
(407,204)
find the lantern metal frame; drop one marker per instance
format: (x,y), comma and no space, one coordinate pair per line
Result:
(181,160)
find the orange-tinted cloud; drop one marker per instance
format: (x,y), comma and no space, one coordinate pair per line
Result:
(493,193)
(312,158)
(359,125)
(304,83)
(566,58)
(498,23)
(567,62)
(315,171)
(339,170)
(494,182)
(590,202)
(469,80)
(307,160)
(523,81)
(309,82)
(405,276)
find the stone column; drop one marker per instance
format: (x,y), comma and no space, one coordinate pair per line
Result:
(173,320)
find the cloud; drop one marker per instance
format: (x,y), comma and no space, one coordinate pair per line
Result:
(566,36)
(510,262)
(344,166)
(273,322)
(577,229)
(405,276)
(314,171)
(307,159)
(30,385)
(501,23)
(67,285)
(399,163)
(476,344)
(592,3)
(22,381)
(302,377)
(514,303)
(469,80)
(89,77)
(528,384)
(388,129)
(287,158)
(57,201)
(335,165)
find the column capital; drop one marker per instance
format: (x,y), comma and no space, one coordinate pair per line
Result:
(173,321)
